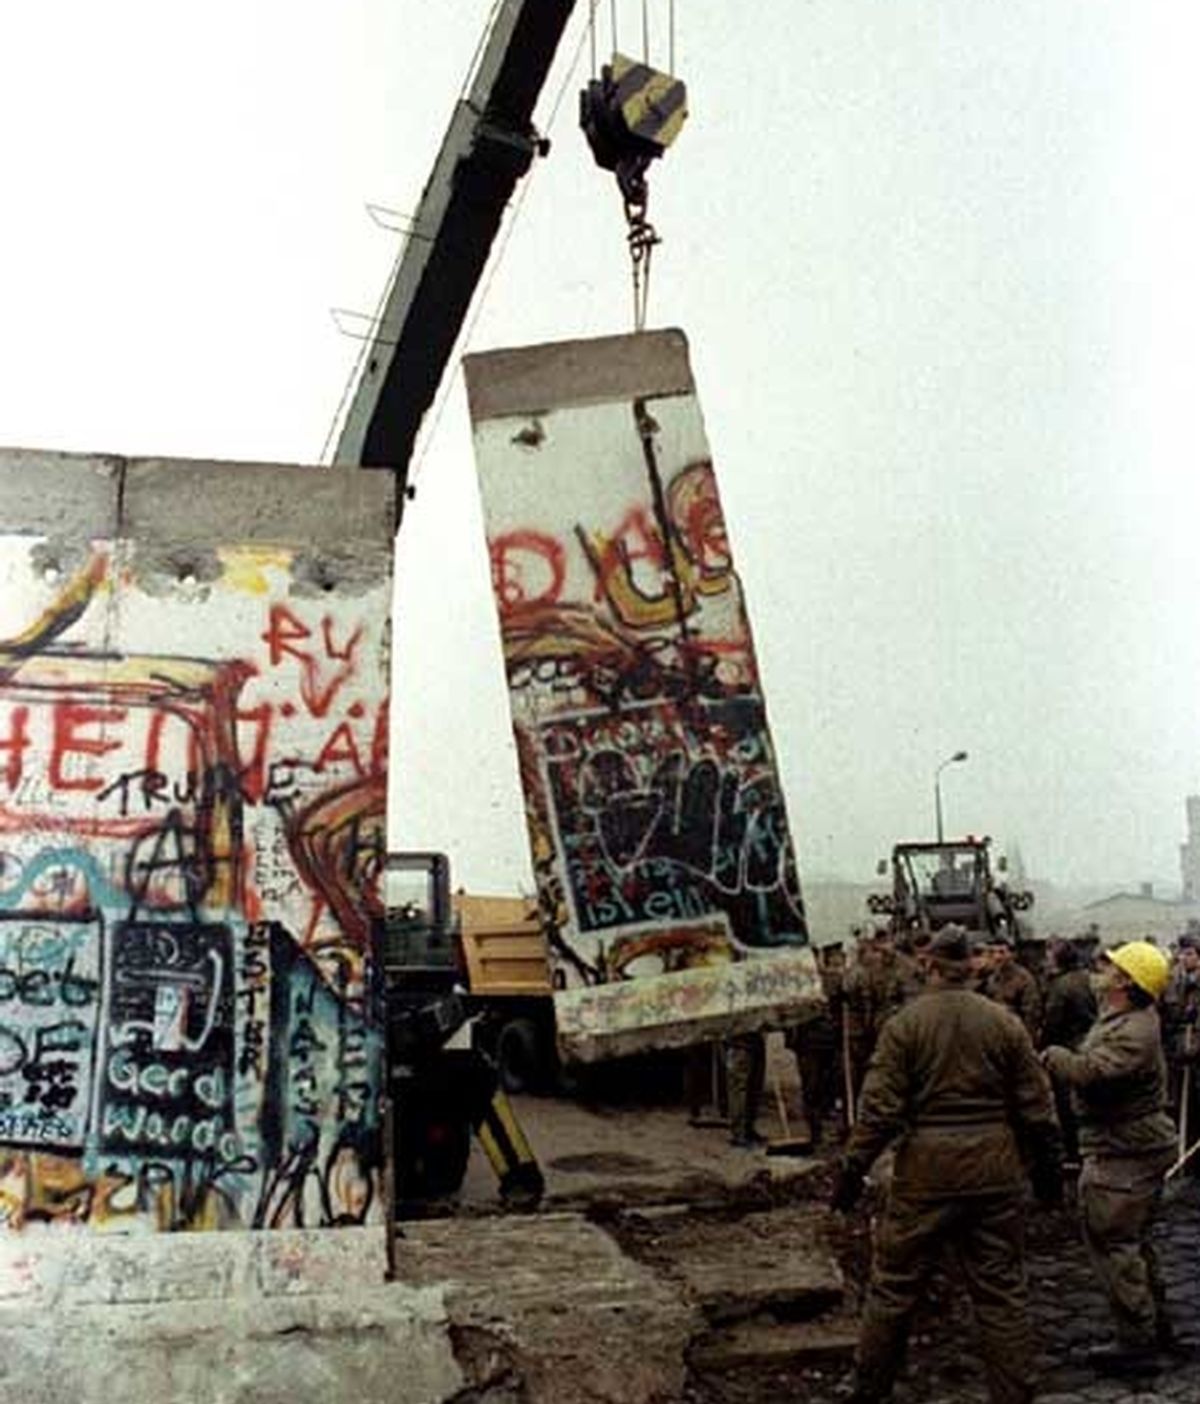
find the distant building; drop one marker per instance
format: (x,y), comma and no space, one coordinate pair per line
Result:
(1127,916)
(1189,852)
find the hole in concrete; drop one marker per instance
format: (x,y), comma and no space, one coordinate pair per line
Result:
(532,436)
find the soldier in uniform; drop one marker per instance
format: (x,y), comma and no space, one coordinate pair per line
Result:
(1180,1014)
(817,1045)
(884,978)
(1070,1011)
(745,1075)
(1010,984)
(954,1082)
(1088,943)
(1119,1088)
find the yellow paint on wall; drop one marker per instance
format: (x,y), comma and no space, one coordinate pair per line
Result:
(246,566)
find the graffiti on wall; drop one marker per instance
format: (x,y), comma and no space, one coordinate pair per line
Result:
(190,841)
(656,817)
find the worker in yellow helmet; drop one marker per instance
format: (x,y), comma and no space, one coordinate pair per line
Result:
(1118,1083)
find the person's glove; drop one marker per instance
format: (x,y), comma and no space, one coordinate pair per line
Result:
(1045,1176)
(847,1189)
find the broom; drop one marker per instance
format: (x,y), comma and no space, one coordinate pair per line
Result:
(1185,1097)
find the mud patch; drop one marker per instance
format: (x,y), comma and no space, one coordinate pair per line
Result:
(603,1163)
(489,1364)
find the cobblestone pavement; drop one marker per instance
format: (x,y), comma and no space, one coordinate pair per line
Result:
(1069,1315)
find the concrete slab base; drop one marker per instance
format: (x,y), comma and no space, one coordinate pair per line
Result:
(551,1302)
(222,1318)
(547,1308)
(776,1261)
(765,1341)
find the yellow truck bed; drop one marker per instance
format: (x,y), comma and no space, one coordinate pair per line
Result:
(503,945)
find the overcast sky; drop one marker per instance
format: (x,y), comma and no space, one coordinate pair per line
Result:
(937,263)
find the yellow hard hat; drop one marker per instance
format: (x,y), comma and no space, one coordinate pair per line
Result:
(1145,965)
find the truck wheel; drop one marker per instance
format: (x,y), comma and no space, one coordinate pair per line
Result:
(519,1056)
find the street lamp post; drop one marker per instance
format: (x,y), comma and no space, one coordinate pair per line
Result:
(937,787)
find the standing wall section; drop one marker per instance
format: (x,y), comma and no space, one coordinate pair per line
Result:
(656,818)
(193,716)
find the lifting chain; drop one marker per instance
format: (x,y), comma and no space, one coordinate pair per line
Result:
(630,115)
(641,238)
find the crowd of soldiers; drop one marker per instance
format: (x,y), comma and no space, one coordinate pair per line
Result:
(1014,1067)
(1047,984)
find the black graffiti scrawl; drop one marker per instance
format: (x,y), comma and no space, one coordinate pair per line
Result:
(50,980)
(320,1121)
(167,1083)
(666,817)
(657,823)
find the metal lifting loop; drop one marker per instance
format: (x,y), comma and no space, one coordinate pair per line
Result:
(630,115)
(641,238)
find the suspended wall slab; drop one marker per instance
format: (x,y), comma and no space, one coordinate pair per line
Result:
(656,818)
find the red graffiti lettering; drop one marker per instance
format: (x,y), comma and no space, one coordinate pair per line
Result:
(154,741)
(255,721)
(331,648)
(528,568)
(284,631)
(15,745)
(379,741)
(341,746)
(69,718)
(318,686)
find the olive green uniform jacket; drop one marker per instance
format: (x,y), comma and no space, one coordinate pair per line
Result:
(1070,1009)
(1014,987)
(1118,1090)
(1118,1082)
(955,1083)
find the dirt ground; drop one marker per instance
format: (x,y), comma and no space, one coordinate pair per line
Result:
(777,1278)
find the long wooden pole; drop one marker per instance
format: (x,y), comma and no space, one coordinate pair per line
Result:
(848,1073)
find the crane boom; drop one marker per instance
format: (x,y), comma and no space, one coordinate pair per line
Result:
(489,145)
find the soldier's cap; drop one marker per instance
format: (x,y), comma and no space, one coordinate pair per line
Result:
(1189,941)
(952,943)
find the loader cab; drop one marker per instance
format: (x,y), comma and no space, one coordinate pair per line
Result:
(418,953)
(941,883)
(934,884)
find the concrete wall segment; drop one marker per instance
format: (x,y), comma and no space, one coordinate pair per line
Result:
(59,495)
(657,823)
(534,379)
(218,1319)
(270,503)
(193,720)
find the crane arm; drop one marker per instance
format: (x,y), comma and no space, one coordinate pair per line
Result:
(489,145)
